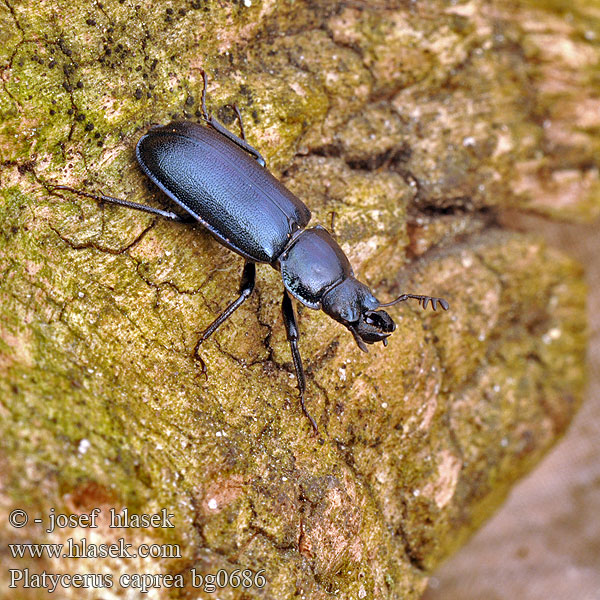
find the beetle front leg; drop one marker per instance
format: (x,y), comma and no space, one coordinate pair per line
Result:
(246,288)
(289,319)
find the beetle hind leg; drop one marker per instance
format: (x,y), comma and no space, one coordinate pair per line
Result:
(167,214)
(241,142)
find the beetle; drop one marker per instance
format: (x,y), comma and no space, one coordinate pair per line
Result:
(223,183)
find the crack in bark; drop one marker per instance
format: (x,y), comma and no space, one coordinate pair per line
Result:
(98,247)
(14,16)
(258,530)
(9,67)
(412,556)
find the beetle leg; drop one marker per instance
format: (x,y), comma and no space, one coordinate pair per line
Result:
(238,141)
(332,224)
(241,142)
(246,288)
(289,319)
(204,113)
(126,203)
(240,121)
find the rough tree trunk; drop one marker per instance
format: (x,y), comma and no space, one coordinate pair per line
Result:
(415,123)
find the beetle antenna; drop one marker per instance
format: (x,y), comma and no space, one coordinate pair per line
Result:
(423,301)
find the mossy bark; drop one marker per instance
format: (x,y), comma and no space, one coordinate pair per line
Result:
(414,125)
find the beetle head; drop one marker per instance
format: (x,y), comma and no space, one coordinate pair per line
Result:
(352,304)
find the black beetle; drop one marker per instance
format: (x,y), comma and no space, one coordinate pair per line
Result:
(223,183)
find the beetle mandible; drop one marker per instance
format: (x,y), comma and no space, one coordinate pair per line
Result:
(223,183)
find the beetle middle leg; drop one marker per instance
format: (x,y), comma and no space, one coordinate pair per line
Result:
(241,142)
(246,288)
(289,319)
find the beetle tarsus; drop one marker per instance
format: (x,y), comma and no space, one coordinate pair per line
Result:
(199,359)
(308,415)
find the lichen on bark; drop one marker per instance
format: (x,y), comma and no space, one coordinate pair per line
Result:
(414,126)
